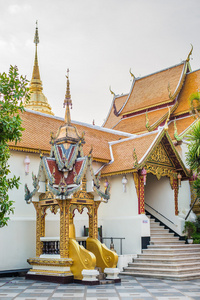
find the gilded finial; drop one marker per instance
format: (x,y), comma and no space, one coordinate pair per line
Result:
(167,120)
(131,74)
(111,91)
(36,38)
(190,53)
(147,122)
(67,101)
(178,139)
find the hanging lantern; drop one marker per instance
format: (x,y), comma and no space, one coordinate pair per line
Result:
(179,179)
(124,183)
(26,164)
(144,174)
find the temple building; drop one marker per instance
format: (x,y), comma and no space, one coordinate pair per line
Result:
(130,169)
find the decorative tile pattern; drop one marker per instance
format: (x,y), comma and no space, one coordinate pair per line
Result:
(131,288)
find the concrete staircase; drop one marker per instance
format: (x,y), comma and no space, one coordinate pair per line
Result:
(167,257)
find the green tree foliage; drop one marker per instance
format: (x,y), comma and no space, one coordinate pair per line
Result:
(13,91)
(195,103)
(193,154)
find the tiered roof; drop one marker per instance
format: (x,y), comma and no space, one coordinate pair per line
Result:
(150,98)
(38,128)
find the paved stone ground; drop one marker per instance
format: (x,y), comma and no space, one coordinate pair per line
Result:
(130,288)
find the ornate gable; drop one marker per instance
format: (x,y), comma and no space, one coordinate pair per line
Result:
(160,156)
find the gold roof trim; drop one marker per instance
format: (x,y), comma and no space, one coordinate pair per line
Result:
(119,172)
(30,150)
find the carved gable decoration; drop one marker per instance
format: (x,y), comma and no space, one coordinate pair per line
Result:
(159,156)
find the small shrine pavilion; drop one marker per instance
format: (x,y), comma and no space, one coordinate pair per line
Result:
(65,183)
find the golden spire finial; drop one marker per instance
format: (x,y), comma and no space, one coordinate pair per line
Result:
(167,120)
(67,101)
(36,38)
(36,72)
(38,101)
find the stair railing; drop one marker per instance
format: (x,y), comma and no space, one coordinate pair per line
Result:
(191,208)
(160,213)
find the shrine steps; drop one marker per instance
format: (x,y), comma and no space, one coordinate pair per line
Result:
(166,257)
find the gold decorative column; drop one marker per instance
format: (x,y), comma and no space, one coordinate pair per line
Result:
(95,219)
(91,221)
(141,209)
(64,228)
(40,227)
(175,188)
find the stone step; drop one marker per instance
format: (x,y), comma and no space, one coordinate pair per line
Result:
(165,260)
(177,243)
(176,277)
(162,234)
(157,265)
(167,255)
(156,226)
(177,251)
(162,271)
(164,238)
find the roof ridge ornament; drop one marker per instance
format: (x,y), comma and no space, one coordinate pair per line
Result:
(112,91)
(177,138)
(132,75)
(147,121)
(190,53)
(167,120)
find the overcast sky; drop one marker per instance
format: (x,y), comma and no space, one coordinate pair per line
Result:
(99,41)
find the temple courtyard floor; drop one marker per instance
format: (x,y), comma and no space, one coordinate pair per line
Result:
(130,288)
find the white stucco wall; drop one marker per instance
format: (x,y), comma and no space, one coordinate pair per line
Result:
(18,238)
(120,216)
(160,196)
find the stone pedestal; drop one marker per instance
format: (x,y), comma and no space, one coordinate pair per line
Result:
(112,274)
(90,277)
(50,269)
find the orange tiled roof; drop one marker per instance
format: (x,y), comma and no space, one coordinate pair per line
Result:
(191,85)
(181,124)
(37,135)
(112,119)
(123,152)
(137,123)
(152,90)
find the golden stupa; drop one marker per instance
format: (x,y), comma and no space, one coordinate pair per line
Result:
(38,101)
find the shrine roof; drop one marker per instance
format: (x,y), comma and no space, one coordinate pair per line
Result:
(152,90)
(111,118)
(38,127)
(137,123)
(123,152)
(191,85)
